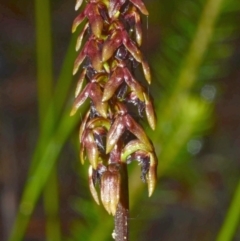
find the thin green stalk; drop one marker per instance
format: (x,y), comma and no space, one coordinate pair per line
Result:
(45,92)
(57,103)
(51,206)
(232,219)
(44,57)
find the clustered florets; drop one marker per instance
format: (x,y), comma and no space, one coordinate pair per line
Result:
(109,134)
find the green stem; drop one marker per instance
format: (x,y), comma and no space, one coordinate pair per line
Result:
(45,92)
(51,206)
(44,57)
(232,219)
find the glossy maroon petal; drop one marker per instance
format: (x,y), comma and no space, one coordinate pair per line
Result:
(96,95)
(80,99)
(80,58)
(114,6)
(133,84)
(95,20)
(115,154)
(77,21)
(131,47)
(137,130)
(80,82)
(134,20)
(111,45)
(114,133)
(140,5)
(94,53)
(91,149)
(113,83)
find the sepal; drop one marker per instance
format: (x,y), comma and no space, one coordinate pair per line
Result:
(78,4)
(91,185)
(150,114)
(110,188)
(140,5)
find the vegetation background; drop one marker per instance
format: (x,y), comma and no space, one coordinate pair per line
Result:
(193,47)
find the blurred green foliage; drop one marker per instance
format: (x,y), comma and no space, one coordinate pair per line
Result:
(193,51)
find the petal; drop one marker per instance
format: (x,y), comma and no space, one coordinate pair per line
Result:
(94,54)
(95,20)
(137,130)
(131,47)
(83,126)
(115,154)
(150,114)
(138,29)
(131,147)
(77,21)
(91,149)
(80,99)
(96,95)
(152,174)
(99,122)
(110,190)
(112,84)
(146,71)
(133,84)
(80,37)
(91,185)
(140,5)
(80,82)
(114,133)
(114,7)
(80,58)
(78,4)
(111,45)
